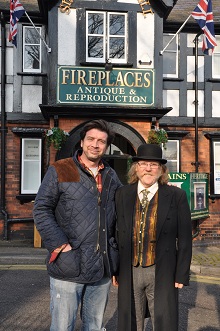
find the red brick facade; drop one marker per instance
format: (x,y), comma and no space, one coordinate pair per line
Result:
(209,227)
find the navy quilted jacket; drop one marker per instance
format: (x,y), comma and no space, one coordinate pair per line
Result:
(69,209)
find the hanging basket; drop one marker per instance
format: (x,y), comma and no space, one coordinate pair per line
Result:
(56,137)
(157,136)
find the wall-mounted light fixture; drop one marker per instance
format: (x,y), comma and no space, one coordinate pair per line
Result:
(108,65)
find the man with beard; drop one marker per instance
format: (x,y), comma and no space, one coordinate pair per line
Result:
(74,212)
(155,244)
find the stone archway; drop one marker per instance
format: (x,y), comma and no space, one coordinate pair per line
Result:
(123,130)
(124,146)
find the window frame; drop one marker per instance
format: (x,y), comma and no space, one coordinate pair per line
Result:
(26,161)
(176,39)
(215,177)
(178,154)
(31,70)
(106,38)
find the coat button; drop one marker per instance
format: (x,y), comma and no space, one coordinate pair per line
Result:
(167,249)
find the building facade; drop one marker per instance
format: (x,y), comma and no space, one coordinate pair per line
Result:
(107,59)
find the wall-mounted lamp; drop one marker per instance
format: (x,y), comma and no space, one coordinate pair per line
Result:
(145,63)
(108,65)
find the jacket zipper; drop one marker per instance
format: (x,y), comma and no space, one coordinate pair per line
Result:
(99,203)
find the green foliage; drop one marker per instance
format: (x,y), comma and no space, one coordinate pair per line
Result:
(157,136)
(56,137)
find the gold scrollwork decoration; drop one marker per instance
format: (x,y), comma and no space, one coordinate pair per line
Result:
(144,3)
(65,6)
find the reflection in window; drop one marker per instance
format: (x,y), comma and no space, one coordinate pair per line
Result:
(170,56)
(31,49)
(106,37)
(171,153)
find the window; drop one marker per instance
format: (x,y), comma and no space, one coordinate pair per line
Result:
(106,37)
(170,56)
(171,153)
(31,49)
(31,165)
(216,146)
(216,59)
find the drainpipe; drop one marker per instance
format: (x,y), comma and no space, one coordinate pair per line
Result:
(3,121)
(196,163)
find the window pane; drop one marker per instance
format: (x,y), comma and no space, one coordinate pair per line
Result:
(95,47)
(116,48)
(172,46)
(31,49)
(169,63)
(170,55)
(32,36)
(32,57)
(217,167)
(95,23)
(172,166)
(171,153)
(216,66)
(31,182)
(31,165)
(117,25)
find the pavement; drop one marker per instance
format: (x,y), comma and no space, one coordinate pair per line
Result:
(205,259)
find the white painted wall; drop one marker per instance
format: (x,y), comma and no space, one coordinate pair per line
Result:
(31,98)
(191,68)
(191,105)
(67,38)
(215,103)
(145,39)
(171,99)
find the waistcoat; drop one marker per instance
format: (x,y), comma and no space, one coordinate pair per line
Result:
(144,233)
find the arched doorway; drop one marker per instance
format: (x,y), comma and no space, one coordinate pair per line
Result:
(118,154)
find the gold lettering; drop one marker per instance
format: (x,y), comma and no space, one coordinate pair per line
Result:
(138,79)
(119,80)
(81,77)
(126,79)
(73,77)
(68,97)
(92,77)
(147,80)
(101,77)
(108,79)
(66,75)
(80,90)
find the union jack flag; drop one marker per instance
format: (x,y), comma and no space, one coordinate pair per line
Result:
(16,11)
(204,17)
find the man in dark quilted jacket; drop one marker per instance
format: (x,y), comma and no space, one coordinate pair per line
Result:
(74,212)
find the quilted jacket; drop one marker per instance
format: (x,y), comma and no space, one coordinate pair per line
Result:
(69,209)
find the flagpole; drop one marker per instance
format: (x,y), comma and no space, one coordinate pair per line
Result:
(182,26)
(48,48)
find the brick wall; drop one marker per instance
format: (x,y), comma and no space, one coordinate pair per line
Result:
(209,228)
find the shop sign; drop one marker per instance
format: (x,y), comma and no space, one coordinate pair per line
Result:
(196,185)
(86,85)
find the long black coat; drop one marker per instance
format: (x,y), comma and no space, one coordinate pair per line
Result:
(173,254)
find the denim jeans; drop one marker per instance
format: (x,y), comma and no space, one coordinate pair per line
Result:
(65,298)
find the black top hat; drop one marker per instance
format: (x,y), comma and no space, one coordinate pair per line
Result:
(149,152)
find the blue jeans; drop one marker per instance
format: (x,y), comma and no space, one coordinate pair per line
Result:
(65,298)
